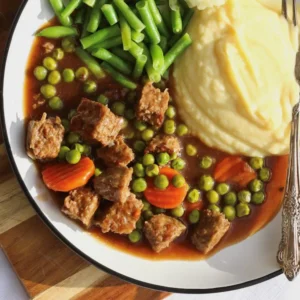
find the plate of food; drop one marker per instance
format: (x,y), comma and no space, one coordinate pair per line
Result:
(152,137)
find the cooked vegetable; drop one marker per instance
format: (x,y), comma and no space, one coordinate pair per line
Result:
(79,16)
(242,210)
(63,151)
(137,36)
(58,54)
(79,147)
(214,207)
(194,216)
(110,14)
(264,174)
(97,172)
(255,185)
(169,126)
(176,21)
(55,103)
(54,77)
(107,44)
(147,134)
(193,196)
(135,236)
(73,138)
(138,170)
(68,44)
(48,91)
(68,75)
(90,3)
(71,6)
(139,146)
(103,99)
(178,164)
(148,159)
(258,198)
(73,156)
(148,214)
(139,66)
(222,188)
(82,74)
(139,185)
(123,54)
(161,182)
(256,163)
(40,73)
(191,150)
(152,170)
(182,130)
(118,108)
(178,181)
(135,50)
(163,158)
(49,63)
(170,112)
(230,198)
(244,196)
(90,86)
(213,197)
(229,212)
(58,7)
(57,32)
(177,212)
(206,162)
(206,183)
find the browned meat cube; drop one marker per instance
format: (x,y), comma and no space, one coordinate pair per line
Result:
(121,217)
(162,230)
(152,105)
(113,184)
(117,153)
(210,230)
(44,138)
(81,204)
(95,122)
(164,143)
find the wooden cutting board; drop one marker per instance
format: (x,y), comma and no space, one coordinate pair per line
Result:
(48,268)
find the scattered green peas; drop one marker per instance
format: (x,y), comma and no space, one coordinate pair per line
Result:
(66,124)
(206,162)
(173,156)
(206,183)
(58,54)
(194,216)
(152,170)
(140,125)
(161,181)
(73,157)
(242,210)
(82,74)
(97,172)
(138,170)
(222,188)
(135,236)
(212,196)
(129,114)
(256,163)
(244,196)
(63,151)
(71,114)
(118,108)
(258,198)
(103,99)
(229,212)
(68,75)
(90,87)
(177,212)
(255,185)
(48,91)
(178,164)
(171,112)
(73,138)
(230,198)
(264,174)
(140,223)
(79,147)
(87,150)
(139,146)
(169,126)
(214,207)
(54,77)
(40,73)
(146,205)
(148,159)
(55,103)
(191,150)
(193,196)
(178,181)
(49,63)
(182,130)
(129,134)
(158,210)
(163,158)
(147,135)
(139,185)
(148,214)
(68,44)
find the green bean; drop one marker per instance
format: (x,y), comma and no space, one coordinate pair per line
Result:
(151,29)
(90,62)
(87,17)
(72,5)
(110,14)
(166,15)
(100,36)
(125,33)
(137,36)
(57,32)
(152,73)
(176,21)
(58,7)
(107,44)
(139,66)
(90,3)
(113,60)
(95,16)
(176,50)
(163,43)
(157,56)
(123,54)
(129,15)
(118,76)
(79,17)
(135,50)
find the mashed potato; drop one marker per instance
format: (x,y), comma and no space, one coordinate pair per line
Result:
(235,85)
(202,4)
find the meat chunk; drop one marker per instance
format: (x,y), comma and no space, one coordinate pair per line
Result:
(81,204)
(95,122)
(164,143)
(113,184)
(48,47)
(117,153)
(162,230)
(152,105)
(121,217)
(210,230)
(44,138)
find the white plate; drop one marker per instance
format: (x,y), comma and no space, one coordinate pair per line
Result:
(249,262)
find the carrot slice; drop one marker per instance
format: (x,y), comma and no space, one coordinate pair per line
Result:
(188,207)
(64,177)
(171,197)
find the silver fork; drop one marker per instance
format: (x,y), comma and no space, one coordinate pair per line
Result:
(288,255)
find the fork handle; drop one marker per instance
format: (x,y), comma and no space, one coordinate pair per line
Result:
(288,254)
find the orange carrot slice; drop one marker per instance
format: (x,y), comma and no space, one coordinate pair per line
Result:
(188,207)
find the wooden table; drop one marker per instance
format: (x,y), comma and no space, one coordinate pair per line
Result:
(47,267)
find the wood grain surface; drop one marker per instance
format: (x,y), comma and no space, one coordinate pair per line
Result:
(47,267)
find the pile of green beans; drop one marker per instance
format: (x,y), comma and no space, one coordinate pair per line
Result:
(131,40)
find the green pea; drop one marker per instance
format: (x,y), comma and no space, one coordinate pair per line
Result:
(163,158)
(40,73)
(79,147)
(73,138)
(230,198)
(63,151)
(171,112)
(206,183)
(147,135)
(244,196)
(102,99)
(140,223)
(158,210)
(222,188)
(258,198)
(148,159)
(148,214)
(242,210)
(97,172)
(129,114)
(256,185)
(135,236)
(68,44)
(139,185)
(169,126)
(194,216)
(173,156)
(146,205)
(264,174)
(66,124)
(73,157)
(90,87)
(138,170)
(178,181)
(214,207)
(48,91)
(129,134)
(182,130)
(191,150)
(55,103)
(139,146)
(54,77)
(71,114)
(118,108)
(49,63)
(178,164)
(87,150)
(58,54)
(213,197)
(256,163)
(177,212)
(68,75)
(131,97)
(161,181)
(139,125)
(229,212)
(193,196)
(206,162)
(82,74)
(152,170)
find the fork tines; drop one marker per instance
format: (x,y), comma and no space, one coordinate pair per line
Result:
(284,11)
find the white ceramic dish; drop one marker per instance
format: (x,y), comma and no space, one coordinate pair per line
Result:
(244,264)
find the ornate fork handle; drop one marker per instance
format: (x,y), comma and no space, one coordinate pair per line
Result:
(289,251)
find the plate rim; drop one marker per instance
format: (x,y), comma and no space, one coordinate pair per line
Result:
(61,236)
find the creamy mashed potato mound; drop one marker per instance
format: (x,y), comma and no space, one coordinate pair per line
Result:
(202,4)
(235,85)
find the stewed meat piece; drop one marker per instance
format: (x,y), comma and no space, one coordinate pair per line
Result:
(113,184)
(121,217)
(152,105)
(81,204)
(117,153)
(210,230)
(162,230)
(164,143)
(44,138)
(95,122)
